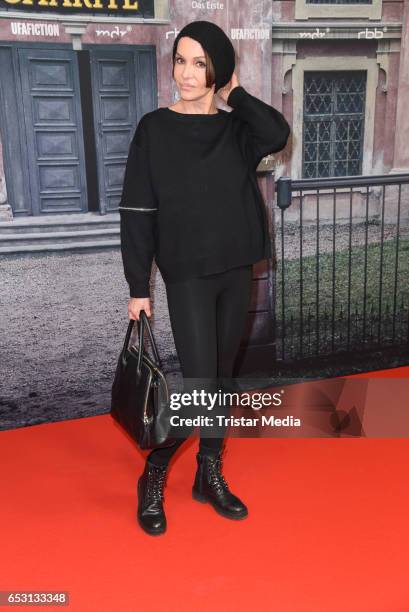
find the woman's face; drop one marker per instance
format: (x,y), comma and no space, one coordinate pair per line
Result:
(190,69)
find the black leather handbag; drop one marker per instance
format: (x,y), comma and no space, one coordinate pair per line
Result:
(140,394)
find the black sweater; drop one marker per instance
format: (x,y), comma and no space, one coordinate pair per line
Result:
(190,196)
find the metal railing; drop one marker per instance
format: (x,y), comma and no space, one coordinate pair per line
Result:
(341,279)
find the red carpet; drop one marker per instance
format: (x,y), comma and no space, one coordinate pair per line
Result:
(327,530)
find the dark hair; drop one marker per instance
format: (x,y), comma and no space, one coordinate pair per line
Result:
(210,72)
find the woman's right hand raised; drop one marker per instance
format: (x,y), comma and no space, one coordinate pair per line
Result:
(135,305)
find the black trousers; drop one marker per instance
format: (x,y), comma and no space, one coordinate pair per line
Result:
(207,316)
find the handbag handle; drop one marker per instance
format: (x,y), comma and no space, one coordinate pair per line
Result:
(126,341)
(145,321)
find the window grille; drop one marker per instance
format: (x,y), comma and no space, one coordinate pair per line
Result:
(333,126)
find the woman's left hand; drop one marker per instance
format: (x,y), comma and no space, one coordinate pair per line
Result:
(224,92)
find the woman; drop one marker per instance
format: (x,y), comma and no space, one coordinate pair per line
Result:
(191,199)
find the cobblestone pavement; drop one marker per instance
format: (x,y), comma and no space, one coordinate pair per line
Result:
(63,323)
(309,244)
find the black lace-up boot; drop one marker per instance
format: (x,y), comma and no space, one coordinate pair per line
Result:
(210,486)
(151,516)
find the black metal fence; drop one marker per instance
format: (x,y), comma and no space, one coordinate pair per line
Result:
(341,281)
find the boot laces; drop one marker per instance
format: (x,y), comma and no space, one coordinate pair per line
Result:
(216,477)
(155,483)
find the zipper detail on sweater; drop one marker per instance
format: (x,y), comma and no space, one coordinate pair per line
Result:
(130,208)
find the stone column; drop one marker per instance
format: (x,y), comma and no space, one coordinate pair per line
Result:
(401,150)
